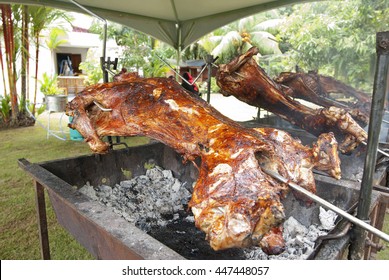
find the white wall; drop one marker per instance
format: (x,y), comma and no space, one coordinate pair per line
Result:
(78,43)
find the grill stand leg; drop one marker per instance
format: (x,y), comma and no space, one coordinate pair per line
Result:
(42,221)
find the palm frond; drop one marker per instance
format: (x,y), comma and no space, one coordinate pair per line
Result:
(265,42)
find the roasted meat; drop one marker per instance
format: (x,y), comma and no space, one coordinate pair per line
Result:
(318,88)
(234,202)
(248,82)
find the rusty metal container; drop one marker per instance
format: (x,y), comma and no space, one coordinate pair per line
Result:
(108,236)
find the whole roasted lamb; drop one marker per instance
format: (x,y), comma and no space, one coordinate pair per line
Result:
(248,82)
(234,202)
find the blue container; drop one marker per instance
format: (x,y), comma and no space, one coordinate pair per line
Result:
(74,134)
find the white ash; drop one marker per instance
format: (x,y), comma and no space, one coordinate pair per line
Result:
(327,218)
(155,199)
(147,200)
(299,240)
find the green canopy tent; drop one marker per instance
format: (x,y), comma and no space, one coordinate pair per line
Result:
(178,23)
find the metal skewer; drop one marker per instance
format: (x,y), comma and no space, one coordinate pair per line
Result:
(328,205)
(101,107)
(378,150)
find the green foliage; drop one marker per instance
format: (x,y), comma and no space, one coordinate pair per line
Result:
(228,48)
(19,238)
(265,42)
(53,41)
(204,87)
(155,67)
(49,85)
(92,68)
(38,110)
(5,109)
(194,51)
(337,38)
(93,71)
(236,38)
(214,86)
(136,46)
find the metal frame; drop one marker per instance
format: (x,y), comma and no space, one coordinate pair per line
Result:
(376,117)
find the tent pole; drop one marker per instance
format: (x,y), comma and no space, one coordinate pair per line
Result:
(179,44)
(376,115)
(209,61)
(100,18)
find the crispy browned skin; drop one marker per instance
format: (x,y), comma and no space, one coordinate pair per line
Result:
(318,88)
(248,82)
(234,202)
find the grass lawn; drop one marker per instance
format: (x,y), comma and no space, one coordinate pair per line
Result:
(19,238)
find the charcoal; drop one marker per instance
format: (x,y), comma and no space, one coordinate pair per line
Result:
(157,200)
(299,240)
(146,200)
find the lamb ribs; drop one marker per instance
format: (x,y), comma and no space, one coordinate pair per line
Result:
(248,82)
(234,202)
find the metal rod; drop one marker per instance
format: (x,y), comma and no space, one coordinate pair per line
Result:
(328,205)
(98,17)
(178,74)
(101,107)
(105,73)
(209,60)
(378,150)
(376,116)
(335,102)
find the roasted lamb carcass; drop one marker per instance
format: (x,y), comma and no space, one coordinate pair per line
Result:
(318,88)
(248,82)
(234,202)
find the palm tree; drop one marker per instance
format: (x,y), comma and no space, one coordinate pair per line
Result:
(53,41)
(236,38)
(41,17)
(9,42)
(25,46)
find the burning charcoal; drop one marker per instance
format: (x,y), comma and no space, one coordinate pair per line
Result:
(146,200)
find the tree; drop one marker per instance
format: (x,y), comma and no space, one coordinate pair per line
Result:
(41,17)
(25,47)
(136,46)
(236,38)
(53,41)
(9,42)
(337,38)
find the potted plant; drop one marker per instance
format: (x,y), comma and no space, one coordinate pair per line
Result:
(54,97)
